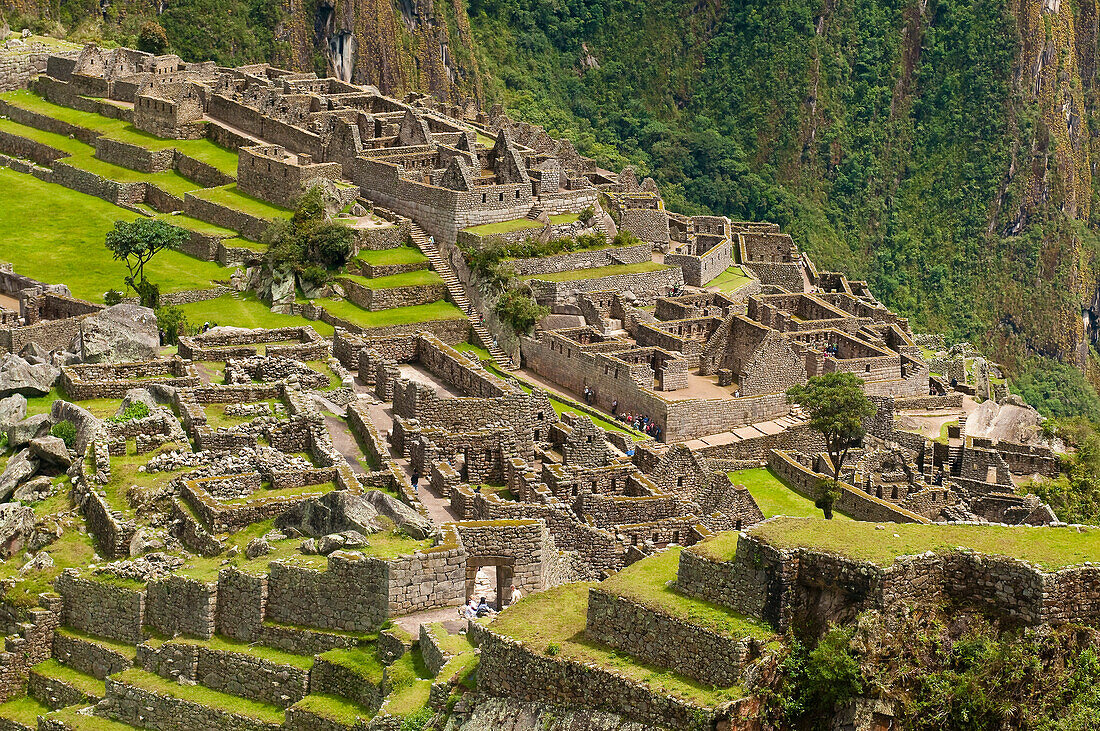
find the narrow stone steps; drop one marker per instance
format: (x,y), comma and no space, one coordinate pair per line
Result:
(458,295)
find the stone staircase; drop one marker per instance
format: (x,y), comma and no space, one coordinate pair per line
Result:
(458,295)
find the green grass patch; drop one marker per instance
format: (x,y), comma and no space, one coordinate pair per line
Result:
(410,699)
(450,644)
(86,722)
(383,257)
(61,235)
(418,278)
(598,272)
(441,310)
(333,708)
(518,224)
(649,583)
(1052,548)
(263,652)
(200,694)
(24,710)
(730,280)
(565,218)
(122,648)
(552,623)
(195,224)
(72,550)
(362,661)
(231,197)
(774,497)
(246,310)
(81,681)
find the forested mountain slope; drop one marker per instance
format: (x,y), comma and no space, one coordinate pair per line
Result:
(942,149)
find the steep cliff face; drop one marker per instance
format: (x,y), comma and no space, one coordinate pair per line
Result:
(413,45)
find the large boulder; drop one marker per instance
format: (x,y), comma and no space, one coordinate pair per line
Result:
(21,433)
(86,424)
(16,527)
(333,512)
(33,490)
(12,409)
(52,450)
(18,470)
(120,334)
(137,396)
(19,376)
(403,516)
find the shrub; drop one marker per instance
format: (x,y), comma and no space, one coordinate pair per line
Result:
(817,681)
(152,38)
(65,431)
(553,649)
(626,238)
(518,309)
(148,293)
(112,297)
(173,322)
(588,214)
(132,412)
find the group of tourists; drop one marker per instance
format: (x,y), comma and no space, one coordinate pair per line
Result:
(479,607)
(641,422)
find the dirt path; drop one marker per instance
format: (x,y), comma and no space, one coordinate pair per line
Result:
(345,443)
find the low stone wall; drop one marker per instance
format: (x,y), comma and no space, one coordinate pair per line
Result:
(584,259)
(241,605)
(249,226)
(134,157)
(350,595)
(22,147)
(82,181)
(139,707)
(646,286)
(449,331)
(508,668)
(852,502)
(178,605)
(386,299)
(88,657)
(383,237)
(333,679)
(100,608)
(56,693)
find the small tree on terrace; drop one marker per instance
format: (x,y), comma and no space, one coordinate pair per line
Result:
(136,243)
(837,406)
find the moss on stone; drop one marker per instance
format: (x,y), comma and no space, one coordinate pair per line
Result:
(202,695)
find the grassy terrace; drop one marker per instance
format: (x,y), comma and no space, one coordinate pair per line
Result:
(67,244)
(420,277)
(333,708)
(554,620)
(122,648)
(86,722)
(648,583)
(564,218)
(1050,548)
(199,694)
(730,280)
(203,150)
(362,661)
(24,710)
(231,197)
(597,272)
(441,310)
(518,224)
(246,310)
(774,497)
(400,255)
(81,681)
(271,654)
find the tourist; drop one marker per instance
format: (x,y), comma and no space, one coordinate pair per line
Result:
(516,595)
(484,610)
(614,407)
(470,610)
(415,482)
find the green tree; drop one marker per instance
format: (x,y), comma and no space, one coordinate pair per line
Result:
(152,38)
(837,406)
(518,309)
(308,243)
(135,243)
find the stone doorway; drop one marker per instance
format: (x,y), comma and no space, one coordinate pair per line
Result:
(490,577)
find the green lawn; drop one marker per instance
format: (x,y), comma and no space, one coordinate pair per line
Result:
(246,310)
(565,218)
(195,224)
(553,621)
(518,224)
(55,235)
(597,272)
(730,280)
(441,310)
(84,722)
(420,277)
(774,497)
(83,682)
(647,582)
(362,661)
(24,710)
(231,197)
(333,708)
(1049,547)
(400,255)
(203,150)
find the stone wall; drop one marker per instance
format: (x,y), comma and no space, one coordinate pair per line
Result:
(139,707)
(665,641)
(351,595)
(93,658)
(647,286)
(177,605)
(584,259)
(101,608)
(384,299)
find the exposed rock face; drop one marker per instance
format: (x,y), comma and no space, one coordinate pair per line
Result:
(52,450)
(86,424)
(257,547)
(21,433)
(19,376)
(334,512)
(16,527)
(137,396)
(403,516)
(119,334)
(12,409)
(38,488)
(19,468)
